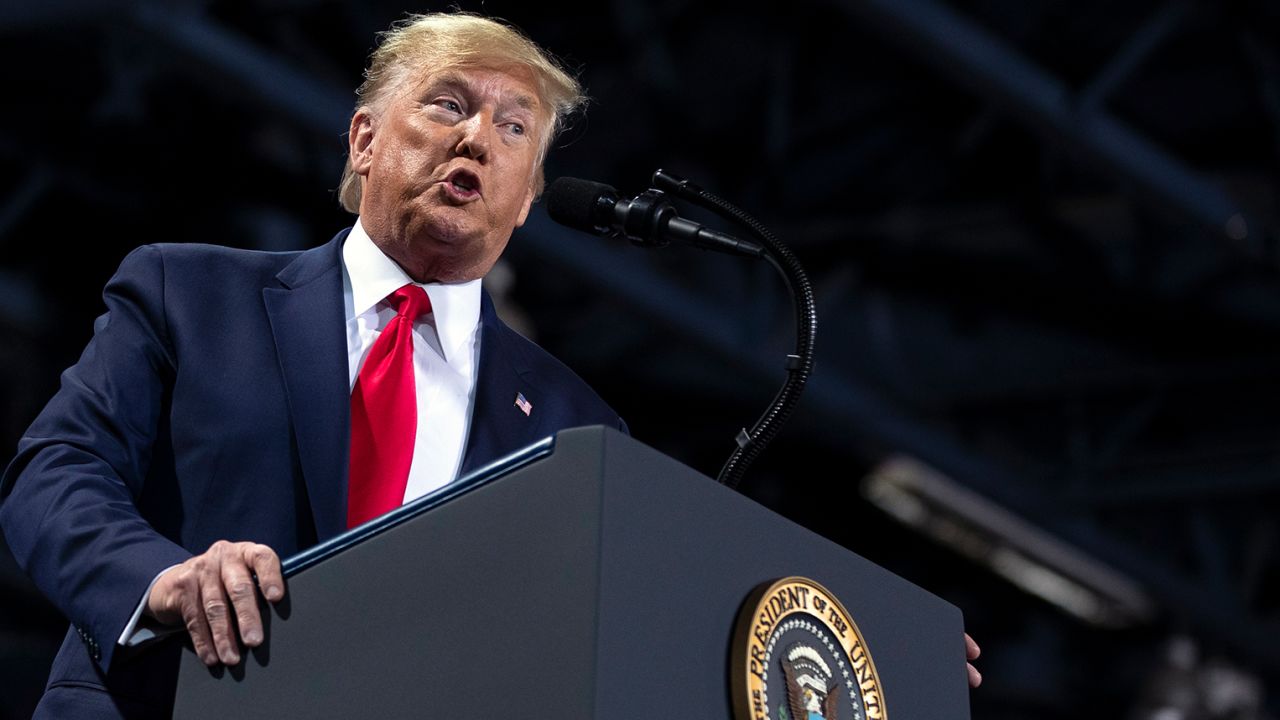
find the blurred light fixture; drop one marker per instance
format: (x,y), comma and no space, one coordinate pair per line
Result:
(1035,561)
(1184,686)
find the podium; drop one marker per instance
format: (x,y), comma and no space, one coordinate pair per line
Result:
(588,576)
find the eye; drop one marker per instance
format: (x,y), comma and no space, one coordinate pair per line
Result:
(449,104)
(516,128)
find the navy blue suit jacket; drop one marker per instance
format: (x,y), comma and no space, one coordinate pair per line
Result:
(213,403)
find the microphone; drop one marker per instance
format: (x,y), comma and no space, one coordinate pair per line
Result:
(648,219)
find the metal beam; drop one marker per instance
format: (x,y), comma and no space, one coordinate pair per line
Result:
(270,80)
(24,17)
(1144,42)
(977,59)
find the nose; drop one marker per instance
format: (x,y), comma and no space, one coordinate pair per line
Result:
(475,138)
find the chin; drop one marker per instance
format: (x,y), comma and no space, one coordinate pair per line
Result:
(446,249)
(439,262)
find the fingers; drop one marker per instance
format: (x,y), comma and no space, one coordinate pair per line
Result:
(975,677)
(215,598)
(971,649)
(971,652)
(193,617)
(237,577)
(239,587)
(266,565)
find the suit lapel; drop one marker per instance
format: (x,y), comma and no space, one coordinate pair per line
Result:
(308,325)
(498,426)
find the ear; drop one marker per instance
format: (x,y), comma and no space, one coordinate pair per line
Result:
(360,141)
(524,211)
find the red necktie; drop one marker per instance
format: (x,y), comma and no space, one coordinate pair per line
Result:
(384,414)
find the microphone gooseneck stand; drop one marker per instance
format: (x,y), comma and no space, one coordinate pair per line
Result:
(798,365)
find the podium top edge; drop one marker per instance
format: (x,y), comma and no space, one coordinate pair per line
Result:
(295,564)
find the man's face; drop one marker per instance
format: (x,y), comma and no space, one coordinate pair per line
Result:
(448,167)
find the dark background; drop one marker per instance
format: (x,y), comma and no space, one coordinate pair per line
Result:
(1043,237)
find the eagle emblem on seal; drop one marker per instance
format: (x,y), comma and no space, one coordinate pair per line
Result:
(812,693)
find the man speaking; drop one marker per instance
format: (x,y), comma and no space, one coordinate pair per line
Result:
(236,406)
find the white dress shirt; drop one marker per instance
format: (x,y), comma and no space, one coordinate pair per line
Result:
(446,353)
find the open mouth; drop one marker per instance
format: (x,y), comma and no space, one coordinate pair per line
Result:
(463,182)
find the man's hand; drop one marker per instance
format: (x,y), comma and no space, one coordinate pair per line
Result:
(971,652)
(195,594)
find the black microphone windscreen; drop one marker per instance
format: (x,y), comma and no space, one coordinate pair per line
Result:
(572,202)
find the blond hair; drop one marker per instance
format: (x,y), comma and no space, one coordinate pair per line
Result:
(446,41)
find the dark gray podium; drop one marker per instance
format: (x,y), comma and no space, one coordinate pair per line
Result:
(587,577)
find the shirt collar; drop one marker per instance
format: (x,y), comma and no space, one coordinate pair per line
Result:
(455,307)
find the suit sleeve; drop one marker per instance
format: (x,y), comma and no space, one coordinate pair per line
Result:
(68,500)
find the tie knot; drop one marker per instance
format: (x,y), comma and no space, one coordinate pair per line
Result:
(410,302)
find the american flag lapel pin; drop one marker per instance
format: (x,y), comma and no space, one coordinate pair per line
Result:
(525,406)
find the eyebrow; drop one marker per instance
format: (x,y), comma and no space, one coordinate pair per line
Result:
(457,80)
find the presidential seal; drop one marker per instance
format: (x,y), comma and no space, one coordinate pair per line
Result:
(797,655)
